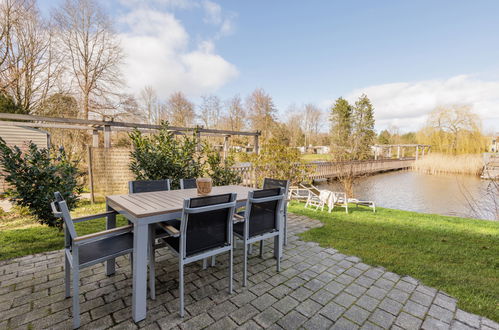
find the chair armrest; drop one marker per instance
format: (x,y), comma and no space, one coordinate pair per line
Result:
(172,231)
(94,216)
(103,234)
(238,218)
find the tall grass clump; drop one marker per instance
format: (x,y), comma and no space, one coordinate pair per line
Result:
(455,164)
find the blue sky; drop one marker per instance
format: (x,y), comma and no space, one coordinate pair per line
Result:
(407,56)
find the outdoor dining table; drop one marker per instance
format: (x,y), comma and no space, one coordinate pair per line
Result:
(143,209)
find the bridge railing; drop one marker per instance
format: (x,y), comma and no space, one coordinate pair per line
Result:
(327,169)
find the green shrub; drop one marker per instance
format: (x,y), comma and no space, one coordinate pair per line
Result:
(220,170)
(35,174)
(165,156)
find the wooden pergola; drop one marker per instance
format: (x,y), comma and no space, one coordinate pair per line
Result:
(425,149)
(107,126)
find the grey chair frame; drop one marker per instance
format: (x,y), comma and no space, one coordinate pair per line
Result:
(247,241)
(73,242)
(183,259)
(186,182)
(268,183)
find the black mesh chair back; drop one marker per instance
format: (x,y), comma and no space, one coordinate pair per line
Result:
(208,230)
(263,217)
(148,186)
(274,183)
(188,183)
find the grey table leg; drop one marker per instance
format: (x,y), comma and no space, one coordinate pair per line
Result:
(139,294)
(110,223)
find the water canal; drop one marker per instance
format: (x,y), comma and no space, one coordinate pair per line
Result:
(455,195)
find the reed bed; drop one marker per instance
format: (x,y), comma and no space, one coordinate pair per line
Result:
(440,163)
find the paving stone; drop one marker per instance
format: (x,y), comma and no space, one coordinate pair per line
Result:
(355,290)
(280,291)
(445,302)
(332,311)
(268,317)
(322,297)
(421,298)
(264,301)
(434,324)
(468,318)
(198,322)
(372,326)
(309,308)
(317,322)
(344,299)
(244,313)
(440,313)
(367,303)
(334,287)
(356,314)
(390,305)
(286,304)
(415,309)
(301,294)
(407,321)
(225,323)
(382,318)
(221,310)
(243,298)
(344,324)
(292,320)
(457,325)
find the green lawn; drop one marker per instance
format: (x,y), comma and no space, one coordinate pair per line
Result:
(21,235)
(459,256)
(316,157)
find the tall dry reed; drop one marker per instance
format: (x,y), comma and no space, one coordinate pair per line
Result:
(440,163)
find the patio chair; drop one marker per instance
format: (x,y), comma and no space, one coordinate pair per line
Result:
(155,231)
(317,198)
(274,183)
(188,183)
(205,231)
(337,198)
(262,220)
(87,250)
(148,186)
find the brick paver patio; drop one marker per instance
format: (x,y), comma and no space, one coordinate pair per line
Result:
(317,288)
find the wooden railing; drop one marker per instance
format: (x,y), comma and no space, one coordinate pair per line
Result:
(326,170)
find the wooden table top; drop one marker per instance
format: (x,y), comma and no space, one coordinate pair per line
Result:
(147,204)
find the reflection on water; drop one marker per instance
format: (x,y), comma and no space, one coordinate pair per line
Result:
(440,194)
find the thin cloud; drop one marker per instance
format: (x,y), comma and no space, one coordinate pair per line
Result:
(407,104)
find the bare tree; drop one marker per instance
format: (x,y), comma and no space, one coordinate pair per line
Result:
(94,54)
(312,123)
(234,117)
(29,67)
(261,112)
(149,104)
(179,110)
(210,111)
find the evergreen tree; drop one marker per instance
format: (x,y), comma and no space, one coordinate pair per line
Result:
(363,128)
(384,137)
(341,123)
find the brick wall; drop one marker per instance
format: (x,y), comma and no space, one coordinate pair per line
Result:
(110,170)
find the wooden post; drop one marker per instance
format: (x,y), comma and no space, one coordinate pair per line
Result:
(423,148)
(257,147)
(417,152)
(390,152)
(376,152)
(91,175)
(403,152)
(95,138)
(198,141)
(107,136)
(226,146)
(398,152)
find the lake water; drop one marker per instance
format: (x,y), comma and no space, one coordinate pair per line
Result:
(456,195)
